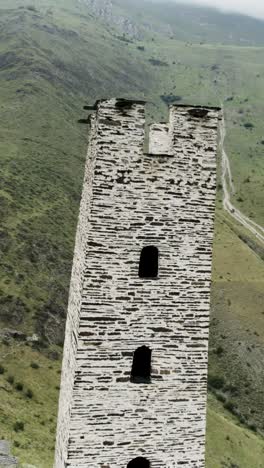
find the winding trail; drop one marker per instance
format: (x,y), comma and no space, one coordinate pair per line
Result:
(229,189)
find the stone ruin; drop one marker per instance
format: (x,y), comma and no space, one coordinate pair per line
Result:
(134,376)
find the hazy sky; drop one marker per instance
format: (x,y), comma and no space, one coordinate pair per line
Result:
(248,7)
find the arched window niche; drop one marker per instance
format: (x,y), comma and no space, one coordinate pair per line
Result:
(139,462)
(149,262)
(141,366)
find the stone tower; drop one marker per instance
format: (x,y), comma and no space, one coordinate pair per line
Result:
(134,377)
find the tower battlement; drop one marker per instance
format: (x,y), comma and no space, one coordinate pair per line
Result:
(134,373)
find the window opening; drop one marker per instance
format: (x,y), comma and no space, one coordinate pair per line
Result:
(141,367)
(149,262)
(139,462)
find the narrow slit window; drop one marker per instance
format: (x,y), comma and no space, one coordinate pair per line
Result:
(149,262)
(139,462)
(141,367)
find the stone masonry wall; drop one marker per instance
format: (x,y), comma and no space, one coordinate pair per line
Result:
(132,200)
(74,306)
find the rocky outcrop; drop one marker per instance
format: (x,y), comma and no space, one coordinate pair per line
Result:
(17,335)
(104,9)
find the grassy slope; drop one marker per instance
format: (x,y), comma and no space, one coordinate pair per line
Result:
(60,61)
(230,446)
(34,444)
(43,88)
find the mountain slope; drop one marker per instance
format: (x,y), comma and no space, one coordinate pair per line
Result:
(55,58)
(43,149)
(175,20)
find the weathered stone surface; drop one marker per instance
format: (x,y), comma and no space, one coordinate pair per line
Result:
(160,141)
(4,447)
(131,200)
(6,459)
(26,465)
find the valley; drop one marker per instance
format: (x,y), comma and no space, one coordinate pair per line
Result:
(54,59)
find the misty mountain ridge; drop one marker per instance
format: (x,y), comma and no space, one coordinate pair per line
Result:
(138,19)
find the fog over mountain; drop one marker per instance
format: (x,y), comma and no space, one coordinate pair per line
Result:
(248,7)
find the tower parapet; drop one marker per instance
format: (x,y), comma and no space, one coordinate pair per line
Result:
(134,376)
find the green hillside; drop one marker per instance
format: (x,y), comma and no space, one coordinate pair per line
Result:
(54,58)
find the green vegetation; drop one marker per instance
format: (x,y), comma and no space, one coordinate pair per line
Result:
(34,365)
(29,393)
(10,379)
(35,443)
(230,445)
(19,386)
(19,426)
(215,381)
(54,58)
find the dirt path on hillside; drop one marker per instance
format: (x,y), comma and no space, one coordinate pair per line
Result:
(229,189)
